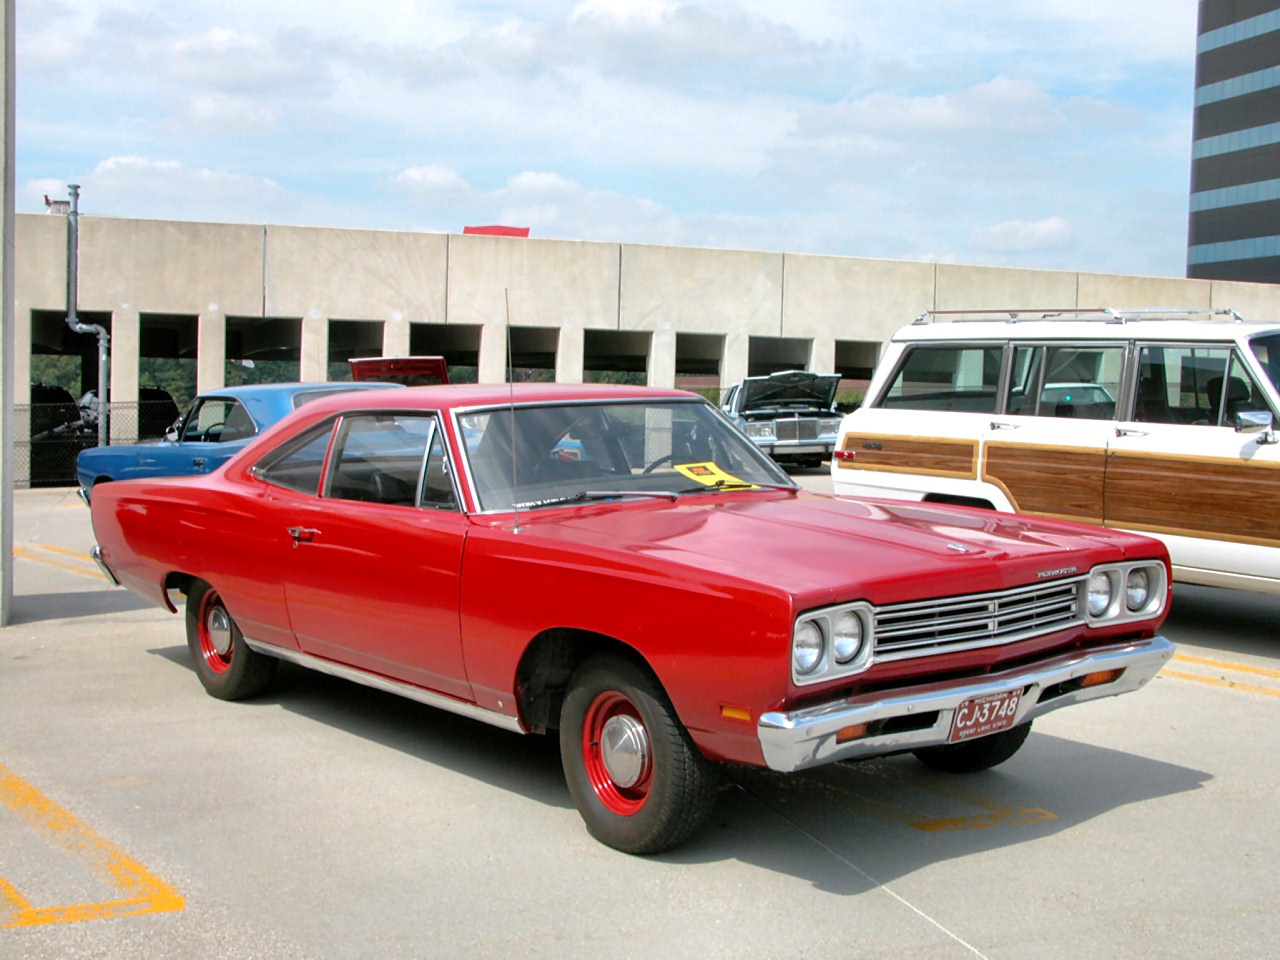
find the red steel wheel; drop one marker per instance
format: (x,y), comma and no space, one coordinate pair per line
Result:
(214,626)
(616,753)
(226,665)
(632,770)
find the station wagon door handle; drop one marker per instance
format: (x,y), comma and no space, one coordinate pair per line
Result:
(301,534)
(996,425)
(1127,432)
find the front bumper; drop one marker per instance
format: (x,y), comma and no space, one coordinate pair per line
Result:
(915,717)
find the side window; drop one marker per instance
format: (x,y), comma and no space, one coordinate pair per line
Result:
(218,420)
(1081,380)
(944,377)
(1181,384)
(1242,394)
(378,458)
(437,485)
(299,464)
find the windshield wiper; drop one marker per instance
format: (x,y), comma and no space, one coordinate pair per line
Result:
(583,496)
(741,485)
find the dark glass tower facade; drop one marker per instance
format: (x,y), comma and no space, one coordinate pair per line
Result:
(1234,230)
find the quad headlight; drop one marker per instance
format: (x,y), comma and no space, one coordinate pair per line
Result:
(761,429)
(831,642)
(1125,591)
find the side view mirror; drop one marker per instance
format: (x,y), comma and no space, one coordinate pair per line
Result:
(171,435)
(1256,421)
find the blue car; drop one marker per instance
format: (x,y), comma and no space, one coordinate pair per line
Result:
(213,428)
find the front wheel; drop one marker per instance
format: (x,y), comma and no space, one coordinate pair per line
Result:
(634,774)
(227,668)
(975,755)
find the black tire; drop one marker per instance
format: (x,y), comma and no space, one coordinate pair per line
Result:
(981,754)
(226,666)
(667,788)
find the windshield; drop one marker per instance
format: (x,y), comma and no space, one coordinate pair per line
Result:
(1267,350)
(565,451)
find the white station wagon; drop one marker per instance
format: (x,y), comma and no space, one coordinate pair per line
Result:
(1160,421)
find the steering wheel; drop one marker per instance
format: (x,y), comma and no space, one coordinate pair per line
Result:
(213,430)
(659,462)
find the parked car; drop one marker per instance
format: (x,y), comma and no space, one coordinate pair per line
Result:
(410,371)
(791,416)
(214,427)
(1160,421)
(667,601)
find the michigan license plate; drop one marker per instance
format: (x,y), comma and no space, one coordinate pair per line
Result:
(983,715)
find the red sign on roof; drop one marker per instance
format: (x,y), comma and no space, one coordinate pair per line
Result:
(497,230)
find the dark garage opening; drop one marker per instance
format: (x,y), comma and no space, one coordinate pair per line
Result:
(615,356)
(349,340)
(766,355)
(698,361)
(166,374)
(458,343)
(263,350)
(533,353)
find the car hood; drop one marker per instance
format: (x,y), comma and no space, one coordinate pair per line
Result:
(820,549)
(794,387)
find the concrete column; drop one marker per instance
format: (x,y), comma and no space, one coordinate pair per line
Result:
(569,354)
(822,355)
(395,336)
(737,357)
(211,350)
(20,394)
(126,340)
(314,367)
(662,357)
(493,354)
(6,321)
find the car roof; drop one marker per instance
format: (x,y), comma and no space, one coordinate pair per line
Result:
(447,397)
(1077,330)
(269,402)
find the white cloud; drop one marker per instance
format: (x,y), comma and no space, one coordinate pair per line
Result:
(1021,236)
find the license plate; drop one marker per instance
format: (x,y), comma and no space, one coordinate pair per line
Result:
(983,715)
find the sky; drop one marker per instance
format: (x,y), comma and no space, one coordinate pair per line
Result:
(1030,133)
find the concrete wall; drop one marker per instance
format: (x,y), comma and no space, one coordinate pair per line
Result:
(129,268)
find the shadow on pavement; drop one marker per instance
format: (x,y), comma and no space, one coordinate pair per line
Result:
(1233,621)
(843,828)
(41,607)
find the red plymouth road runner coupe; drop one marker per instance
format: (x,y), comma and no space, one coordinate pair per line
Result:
(622,565)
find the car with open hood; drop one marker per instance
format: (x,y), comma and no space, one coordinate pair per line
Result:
(664,601)
(791,415)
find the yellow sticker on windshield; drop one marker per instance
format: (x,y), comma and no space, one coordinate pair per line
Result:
(710,475)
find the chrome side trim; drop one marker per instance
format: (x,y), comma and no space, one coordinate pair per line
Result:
(807,738)
(387,685)
(96,554)
(83,494)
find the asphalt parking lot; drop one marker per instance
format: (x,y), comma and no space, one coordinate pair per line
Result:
(141,818)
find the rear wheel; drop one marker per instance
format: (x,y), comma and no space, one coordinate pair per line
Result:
(634,774)
(981,754)
(226,666)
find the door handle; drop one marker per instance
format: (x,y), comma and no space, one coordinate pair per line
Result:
(995,425)
(301,534)
(197,462)
(1127,432)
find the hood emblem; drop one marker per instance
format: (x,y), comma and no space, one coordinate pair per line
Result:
(1059,572)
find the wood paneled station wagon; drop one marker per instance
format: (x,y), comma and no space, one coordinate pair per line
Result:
(1160,421)
(622,568)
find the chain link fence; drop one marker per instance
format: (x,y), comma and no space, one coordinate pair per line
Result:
(50,435)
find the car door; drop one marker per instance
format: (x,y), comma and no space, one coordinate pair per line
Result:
(372,579)
(212,430)
(1046,451)
(1177,467)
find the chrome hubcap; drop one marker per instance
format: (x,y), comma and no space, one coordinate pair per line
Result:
(218,626)
(624,748)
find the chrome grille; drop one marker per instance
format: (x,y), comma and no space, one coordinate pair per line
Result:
(797,429)
(950,624)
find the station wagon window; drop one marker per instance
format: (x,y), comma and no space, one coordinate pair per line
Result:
(1267,350)
(1183,384)
(378,457)
(944,377)
(1065,381)
(218,420)
(298,464)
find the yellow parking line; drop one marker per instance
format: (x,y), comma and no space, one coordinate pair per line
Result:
(143,891)
(1226,665)
(1221,682)
(32,553)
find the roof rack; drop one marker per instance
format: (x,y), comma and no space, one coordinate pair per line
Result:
(1095,314)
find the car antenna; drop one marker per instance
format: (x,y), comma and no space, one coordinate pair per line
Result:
(511,393)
